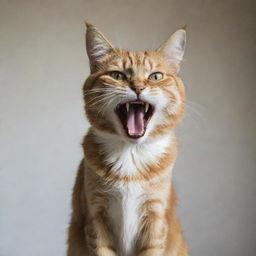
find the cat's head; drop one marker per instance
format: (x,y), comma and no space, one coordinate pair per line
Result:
(134,95)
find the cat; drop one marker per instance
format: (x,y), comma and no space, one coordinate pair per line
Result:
(124,202)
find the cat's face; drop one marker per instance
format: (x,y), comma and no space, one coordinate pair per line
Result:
(134,95)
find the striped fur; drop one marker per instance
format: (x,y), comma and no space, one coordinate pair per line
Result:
(124,202)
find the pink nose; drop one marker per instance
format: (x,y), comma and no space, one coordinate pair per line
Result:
(137,88)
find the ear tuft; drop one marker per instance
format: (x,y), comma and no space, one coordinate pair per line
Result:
(97,46)
(87,24)
(185,27)
(173,48)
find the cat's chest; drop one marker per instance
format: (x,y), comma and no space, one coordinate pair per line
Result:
(124,212)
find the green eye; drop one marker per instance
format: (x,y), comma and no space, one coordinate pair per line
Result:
(118,75)
(156,76)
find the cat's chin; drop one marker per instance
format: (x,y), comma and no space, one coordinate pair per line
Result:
(134,117)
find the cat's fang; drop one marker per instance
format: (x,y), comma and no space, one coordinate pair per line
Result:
(146,107)
(127,107)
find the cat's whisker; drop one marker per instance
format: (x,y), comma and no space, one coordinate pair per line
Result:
(105,106)
(105,97)
(192,114)
(188,116)
(113,86)
(97,90)
(98,97)
(196,108)
(195,103)
(193,109)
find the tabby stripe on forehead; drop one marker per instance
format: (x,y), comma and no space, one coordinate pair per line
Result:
(125,64)
(151,64)
(148,63)
(130,58)
(144,60)
(116,64)
(138,59)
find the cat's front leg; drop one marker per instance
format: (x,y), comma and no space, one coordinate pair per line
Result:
(153,232)
(99,239)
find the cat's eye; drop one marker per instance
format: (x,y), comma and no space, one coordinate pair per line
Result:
(156,76)
(118,75)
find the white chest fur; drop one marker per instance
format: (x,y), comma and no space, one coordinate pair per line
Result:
(127,158)
(126,198)
(124,212)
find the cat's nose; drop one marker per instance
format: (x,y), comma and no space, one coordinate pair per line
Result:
(138,88)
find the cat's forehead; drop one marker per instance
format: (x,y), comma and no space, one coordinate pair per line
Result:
(136,62)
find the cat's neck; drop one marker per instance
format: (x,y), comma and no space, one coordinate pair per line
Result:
(112,141)
(127,158)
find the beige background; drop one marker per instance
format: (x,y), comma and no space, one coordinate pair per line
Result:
(43,66)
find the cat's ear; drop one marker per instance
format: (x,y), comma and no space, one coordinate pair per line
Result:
(97,46)
(174,47)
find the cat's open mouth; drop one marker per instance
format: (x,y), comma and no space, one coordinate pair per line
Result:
(135,116)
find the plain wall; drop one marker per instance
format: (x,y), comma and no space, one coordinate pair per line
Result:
(43,67)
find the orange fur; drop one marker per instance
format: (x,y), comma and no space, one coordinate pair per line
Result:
(158,232)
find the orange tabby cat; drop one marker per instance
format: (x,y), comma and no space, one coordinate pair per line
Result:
(124,203)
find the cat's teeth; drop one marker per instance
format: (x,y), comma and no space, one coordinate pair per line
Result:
(146,107)
(127,107)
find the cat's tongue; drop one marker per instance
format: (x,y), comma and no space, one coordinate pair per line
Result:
(135,120)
